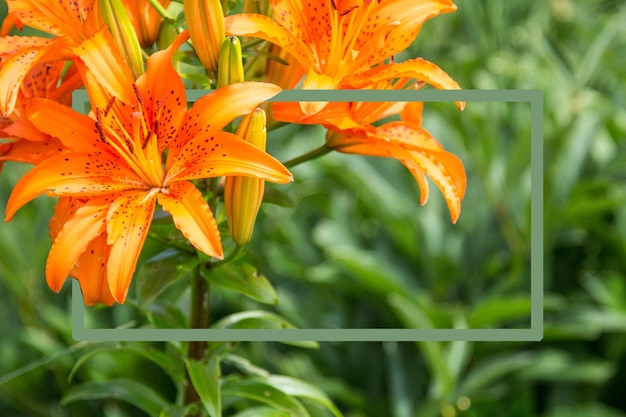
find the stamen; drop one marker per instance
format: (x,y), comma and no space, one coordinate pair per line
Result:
(109,105)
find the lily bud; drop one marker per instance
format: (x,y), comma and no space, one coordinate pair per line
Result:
(145,19)
(243,195)
(116,18)
(230,68)
(205,21)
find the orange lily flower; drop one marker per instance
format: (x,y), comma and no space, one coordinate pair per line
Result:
(337,42)
(116,171)
(24,142)
(69,21)
(351,130)
(145,19)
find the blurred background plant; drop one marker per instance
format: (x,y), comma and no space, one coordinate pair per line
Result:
(363,253)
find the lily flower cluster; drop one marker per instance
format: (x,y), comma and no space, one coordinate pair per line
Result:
(142,148)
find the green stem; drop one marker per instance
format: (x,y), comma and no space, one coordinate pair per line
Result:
(315,153)
(161,11)
(230,257)
(199,319)
(276,125)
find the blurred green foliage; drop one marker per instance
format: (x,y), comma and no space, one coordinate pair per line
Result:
(357,250)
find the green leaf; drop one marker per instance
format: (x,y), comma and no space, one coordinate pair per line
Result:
(253,319)
(498,310)
(242,278)
(560,366)
(125,390)
(493,370)
(167,316)
(179,411)
(201,80)
(172,365)
(258,390)
(205,378)
(298,388)
(261,412)
(161,271)
(585,410)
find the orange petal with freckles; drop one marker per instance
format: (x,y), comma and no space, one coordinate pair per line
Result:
(214,111)
(164,102)
(16,68)
(417,68)
(72,240)
(219,153)
(72,174)
(31,152)
(421,151)
(446,170)
(128,221)
(76,131)
(193,217)
(264,27)
(409,135)
(23,129)
(107,66)
(336,114)
(394,26)
(92,272)
(63,210)
(59,17)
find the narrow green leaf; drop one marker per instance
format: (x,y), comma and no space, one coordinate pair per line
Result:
(400,385)
(298,388)
(244,279)
(205,378)
(167,316)
(172,365)
(253,319)
(159,272)
(497,311)
(260,391)
(261,412)
(126,390)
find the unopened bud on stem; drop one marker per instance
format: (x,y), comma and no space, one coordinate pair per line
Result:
(230,68)
(115,16)
(205,21)
(243,195)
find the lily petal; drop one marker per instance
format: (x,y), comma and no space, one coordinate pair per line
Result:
(316,81)
(72,174)
(265,28)
(92,272)
(193,217)
(215,154)
(107,65)
(76,131)
(214,111)
(128,221)
(16,68)
(417,68)
(448,173)
(164,102)
(88,222)
(400,23)
(409,135)
(31,152)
